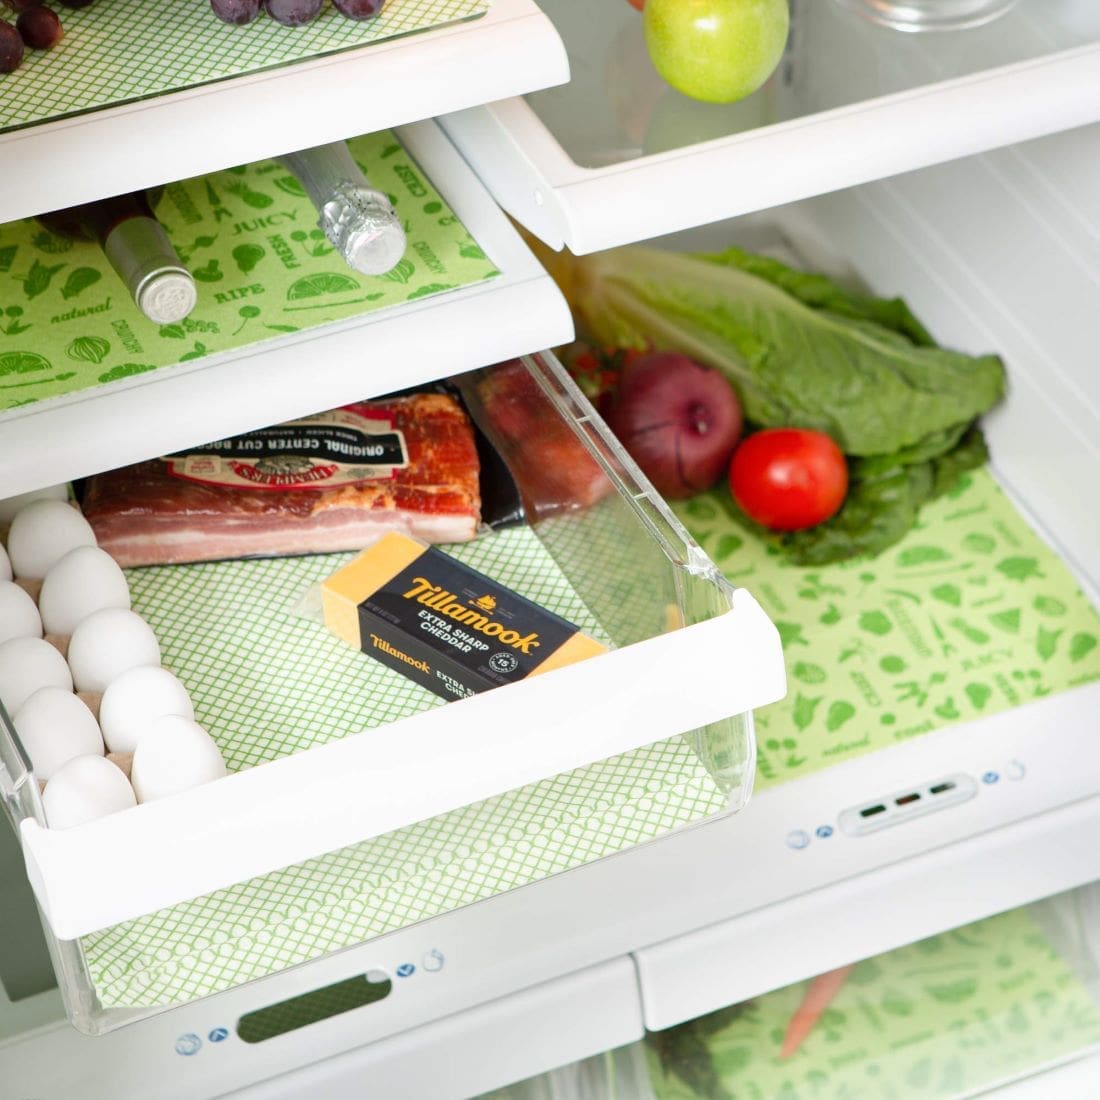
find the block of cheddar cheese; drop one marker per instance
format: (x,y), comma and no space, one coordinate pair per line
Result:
(446,626)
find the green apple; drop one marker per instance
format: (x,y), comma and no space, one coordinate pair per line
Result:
(716,50)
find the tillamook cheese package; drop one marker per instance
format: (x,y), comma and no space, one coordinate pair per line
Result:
(442,624)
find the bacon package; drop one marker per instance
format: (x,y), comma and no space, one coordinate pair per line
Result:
(324,483)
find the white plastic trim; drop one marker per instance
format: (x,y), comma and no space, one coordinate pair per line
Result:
(161,853)
(592,209)
(512,49)
(519,311)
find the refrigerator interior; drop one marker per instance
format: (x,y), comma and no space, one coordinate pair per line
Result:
(709,940)
(994,252)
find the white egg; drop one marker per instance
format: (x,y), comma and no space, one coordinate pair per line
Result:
(86,579)
(18,615)
(54,726)
(108,643)
(134,700)
(5,565)
(85,788)
(175,755)
(9,506)
(27,664)
(42,533)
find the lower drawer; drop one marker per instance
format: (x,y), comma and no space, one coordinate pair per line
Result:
(319,840)
(961,1014)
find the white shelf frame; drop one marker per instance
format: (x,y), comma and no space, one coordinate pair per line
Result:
(587,210)
(510,50)
(174,407)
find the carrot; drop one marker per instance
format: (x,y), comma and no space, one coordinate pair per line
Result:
(817,998)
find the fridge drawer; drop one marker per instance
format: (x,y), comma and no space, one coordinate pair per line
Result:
(488,1043)
(960,1014)
(470,294)
(142,116)
(676,630)
(617,156)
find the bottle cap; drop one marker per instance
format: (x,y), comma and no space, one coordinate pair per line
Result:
(365,229)
(143,256)
(167,297)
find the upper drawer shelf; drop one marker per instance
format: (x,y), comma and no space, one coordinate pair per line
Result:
(64,145)
(617,156)
(256,351)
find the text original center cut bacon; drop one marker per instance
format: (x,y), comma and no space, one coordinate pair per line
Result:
(147,515)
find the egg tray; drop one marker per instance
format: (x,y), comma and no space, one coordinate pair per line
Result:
(105,59)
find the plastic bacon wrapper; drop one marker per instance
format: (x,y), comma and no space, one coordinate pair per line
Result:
(291,13)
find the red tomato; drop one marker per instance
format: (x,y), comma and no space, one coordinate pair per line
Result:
(789,478)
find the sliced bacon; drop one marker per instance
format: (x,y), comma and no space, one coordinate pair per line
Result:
(142,515)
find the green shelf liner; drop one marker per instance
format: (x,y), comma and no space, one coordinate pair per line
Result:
(970,615)
(930,1021)
(119,51)
(263,269)
(274,684)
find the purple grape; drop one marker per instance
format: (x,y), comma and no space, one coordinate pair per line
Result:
(11,47)
(358,9)
(237,12)
(293,13)
(22,5)
(40,28)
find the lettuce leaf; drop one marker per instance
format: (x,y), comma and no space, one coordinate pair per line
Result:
(799,350)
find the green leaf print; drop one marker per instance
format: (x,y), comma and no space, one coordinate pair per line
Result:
(950,993)
(726,547)
(978,543)
(1008,621)
(256,199)
(124,370)
(1049,606)
(922,555)
(790,634)
(948,593)
(978,694)
(1081,646)
(969,632)
(39,278)
(1019,569)
(897,1004)
(804,707)
(79,279)
(173,332)
(839,713)
(831,615)
(1047,642)
(471,250)
(807,673)
(875,622)
(701,509)
(51,243)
